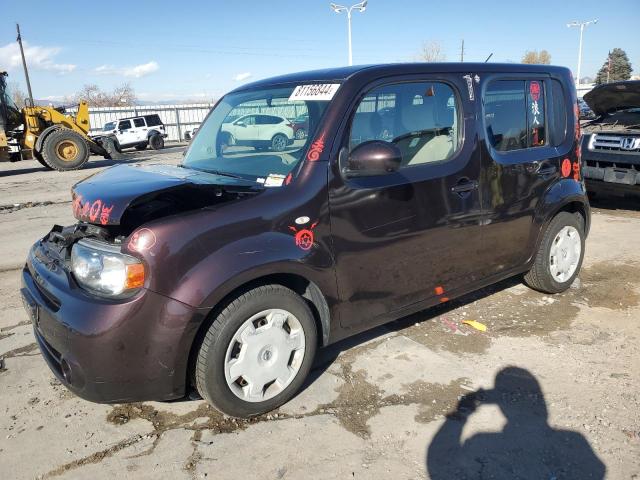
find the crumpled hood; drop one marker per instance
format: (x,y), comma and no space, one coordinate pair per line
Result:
(614,96)
(104,197)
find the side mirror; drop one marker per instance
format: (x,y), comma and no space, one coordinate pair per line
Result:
(371,158)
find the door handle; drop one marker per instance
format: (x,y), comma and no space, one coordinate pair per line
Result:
(464,187)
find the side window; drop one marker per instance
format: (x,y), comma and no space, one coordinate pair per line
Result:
(421,119)
(124,125)
(558,129)
(138,122)
(514,114)
(248,120)
(153,120)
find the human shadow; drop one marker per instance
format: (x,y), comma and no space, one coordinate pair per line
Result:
(526,448)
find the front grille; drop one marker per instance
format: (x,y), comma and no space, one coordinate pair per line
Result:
(616,143)
(608,164)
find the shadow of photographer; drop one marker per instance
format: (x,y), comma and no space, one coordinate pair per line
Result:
(526,448)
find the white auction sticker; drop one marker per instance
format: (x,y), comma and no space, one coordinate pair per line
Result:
(316,91)
(274,180)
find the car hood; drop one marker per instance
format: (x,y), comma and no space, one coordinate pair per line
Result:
(146,192)
(610,97)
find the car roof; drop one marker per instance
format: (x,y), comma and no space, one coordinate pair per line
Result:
(138,116)
(381,70)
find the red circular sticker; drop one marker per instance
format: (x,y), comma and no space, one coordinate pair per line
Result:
(534,91)
(304,239)
(566,167)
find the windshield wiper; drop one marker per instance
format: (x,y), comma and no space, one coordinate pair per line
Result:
(216,172)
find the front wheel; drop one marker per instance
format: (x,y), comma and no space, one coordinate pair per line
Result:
(257,352)
(65,149)
(559,258)
(301,134)
(279,142)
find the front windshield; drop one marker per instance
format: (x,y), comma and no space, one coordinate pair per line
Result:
(249,134)
(109,126)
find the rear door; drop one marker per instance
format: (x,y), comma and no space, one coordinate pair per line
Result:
(139,130)
(410,236)
(523,127)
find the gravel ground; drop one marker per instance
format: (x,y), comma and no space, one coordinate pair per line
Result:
(550,390)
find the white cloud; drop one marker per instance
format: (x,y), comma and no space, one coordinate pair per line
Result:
(136,71)
(242,76)
(38,58)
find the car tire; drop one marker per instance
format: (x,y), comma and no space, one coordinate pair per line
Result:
(156,142)
(141,146)
(273,331)
(559,257)
(65,150)
(279,142)
(301,134)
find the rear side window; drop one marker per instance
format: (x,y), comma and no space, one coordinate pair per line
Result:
(268,120)
(420,118)
(153,120)
(138,122)
(514,112)
(558,128)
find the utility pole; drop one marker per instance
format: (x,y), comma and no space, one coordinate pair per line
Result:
(608,66)
(581,25)
(462,51)
(24,65)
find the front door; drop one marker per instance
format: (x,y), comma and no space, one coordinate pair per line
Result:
(125,133)
(410,236)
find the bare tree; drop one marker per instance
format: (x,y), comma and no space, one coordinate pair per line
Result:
(17,94)
(537,58)
(431,52)
(121,96)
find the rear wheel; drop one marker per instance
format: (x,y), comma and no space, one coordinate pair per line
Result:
(560,255)
(65,149)
(257,352)
(156,142)
(279,142)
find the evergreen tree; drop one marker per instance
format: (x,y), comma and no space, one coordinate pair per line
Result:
(617,66)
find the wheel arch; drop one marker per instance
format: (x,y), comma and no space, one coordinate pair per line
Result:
(150,133)
(43,136)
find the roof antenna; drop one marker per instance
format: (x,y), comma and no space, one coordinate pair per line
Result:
(490,55)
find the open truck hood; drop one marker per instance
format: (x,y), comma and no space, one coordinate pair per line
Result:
(129,195)
(610,97)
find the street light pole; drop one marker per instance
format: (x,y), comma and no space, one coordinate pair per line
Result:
(360,7)
(581,25)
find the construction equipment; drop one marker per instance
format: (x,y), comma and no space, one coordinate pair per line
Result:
(55,139)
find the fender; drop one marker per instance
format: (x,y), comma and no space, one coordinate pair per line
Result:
(153,132)
(564,193)
(43,135)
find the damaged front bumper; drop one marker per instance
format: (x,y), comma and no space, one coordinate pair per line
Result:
(105,350)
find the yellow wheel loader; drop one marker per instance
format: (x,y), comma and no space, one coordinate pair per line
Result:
(55,139)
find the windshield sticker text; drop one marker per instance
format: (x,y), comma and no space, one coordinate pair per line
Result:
(318,92)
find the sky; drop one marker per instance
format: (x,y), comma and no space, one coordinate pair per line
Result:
(198,50)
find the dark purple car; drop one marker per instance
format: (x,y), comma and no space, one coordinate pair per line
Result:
(227,272)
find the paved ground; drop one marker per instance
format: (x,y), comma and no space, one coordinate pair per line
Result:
(554,378)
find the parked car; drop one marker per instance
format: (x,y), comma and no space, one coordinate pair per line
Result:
(138,132)
(585,112)
(260,131)
(300,126)
(190,133)
(227,272)
(611,142)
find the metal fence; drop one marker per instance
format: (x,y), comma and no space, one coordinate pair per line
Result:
(180,118)
(176,118)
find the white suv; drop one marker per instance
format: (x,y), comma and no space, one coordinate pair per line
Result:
(260,131)
(136,132)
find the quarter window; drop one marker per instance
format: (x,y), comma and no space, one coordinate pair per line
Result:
(515,114)
(153,120)
(421,119)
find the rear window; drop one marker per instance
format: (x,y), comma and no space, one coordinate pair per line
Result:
(153,120)
(514,112)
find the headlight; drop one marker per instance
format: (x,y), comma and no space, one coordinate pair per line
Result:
(102,269)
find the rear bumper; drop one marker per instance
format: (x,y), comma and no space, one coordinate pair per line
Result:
(109,351)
